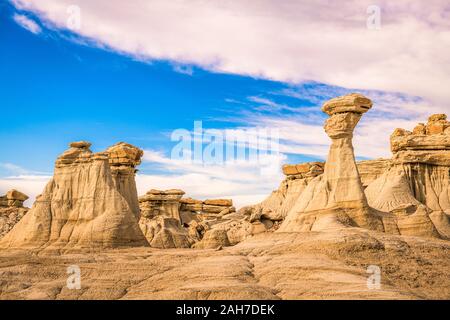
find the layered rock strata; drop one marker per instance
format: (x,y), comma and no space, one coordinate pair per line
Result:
(79,209)
(160,219)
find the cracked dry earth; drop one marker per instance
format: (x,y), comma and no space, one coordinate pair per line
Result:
(313,265)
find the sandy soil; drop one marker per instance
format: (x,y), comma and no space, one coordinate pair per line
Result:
(313,265)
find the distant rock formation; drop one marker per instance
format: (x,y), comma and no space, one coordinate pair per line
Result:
(13,198)
(12,210)
(80,208)
(336,197)
(170,221)
(160,219)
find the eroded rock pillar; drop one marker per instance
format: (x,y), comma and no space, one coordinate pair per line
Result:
(338,193)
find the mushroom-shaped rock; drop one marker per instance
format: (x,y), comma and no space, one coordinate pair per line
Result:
(338,192)
(16,195)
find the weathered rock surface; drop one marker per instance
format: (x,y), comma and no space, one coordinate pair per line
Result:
(161,221)
(337,196)
(123,160)
(181,222)
(165,233)
(80,209)
(161,203)
(370,170)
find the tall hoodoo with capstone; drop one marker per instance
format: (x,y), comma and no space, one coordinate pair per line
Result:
(336,197)
(80,208)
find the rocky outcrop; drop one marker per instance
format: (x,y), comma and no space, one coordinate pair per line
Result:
(170,221)
(12,210)
(419,175)
(165,233)
(160,219)
(337,196)
(80,208)
(161,203)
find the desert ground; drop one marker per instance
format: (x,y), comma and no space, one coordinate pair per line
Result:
(310,265)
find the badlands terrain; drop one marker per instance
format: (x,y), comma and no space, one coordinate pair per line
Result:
(323,234)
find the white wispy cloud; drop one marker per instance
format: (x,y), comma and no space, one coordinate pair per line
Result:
(302,133)
(289,41)
(14,169)
(27,23)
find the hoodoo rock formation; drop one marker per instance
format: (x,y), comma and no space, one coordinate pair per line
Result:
(11,210)
(406,195)
(80,208)
(336,197)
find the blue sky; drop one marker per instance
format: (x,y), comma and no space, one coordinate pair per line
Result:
(59,86)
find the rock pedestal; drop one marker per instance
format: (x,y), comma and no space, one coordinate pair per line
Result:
(336,197)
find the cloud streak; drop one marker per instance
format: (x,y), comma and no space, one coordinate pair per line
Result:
(27,23)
